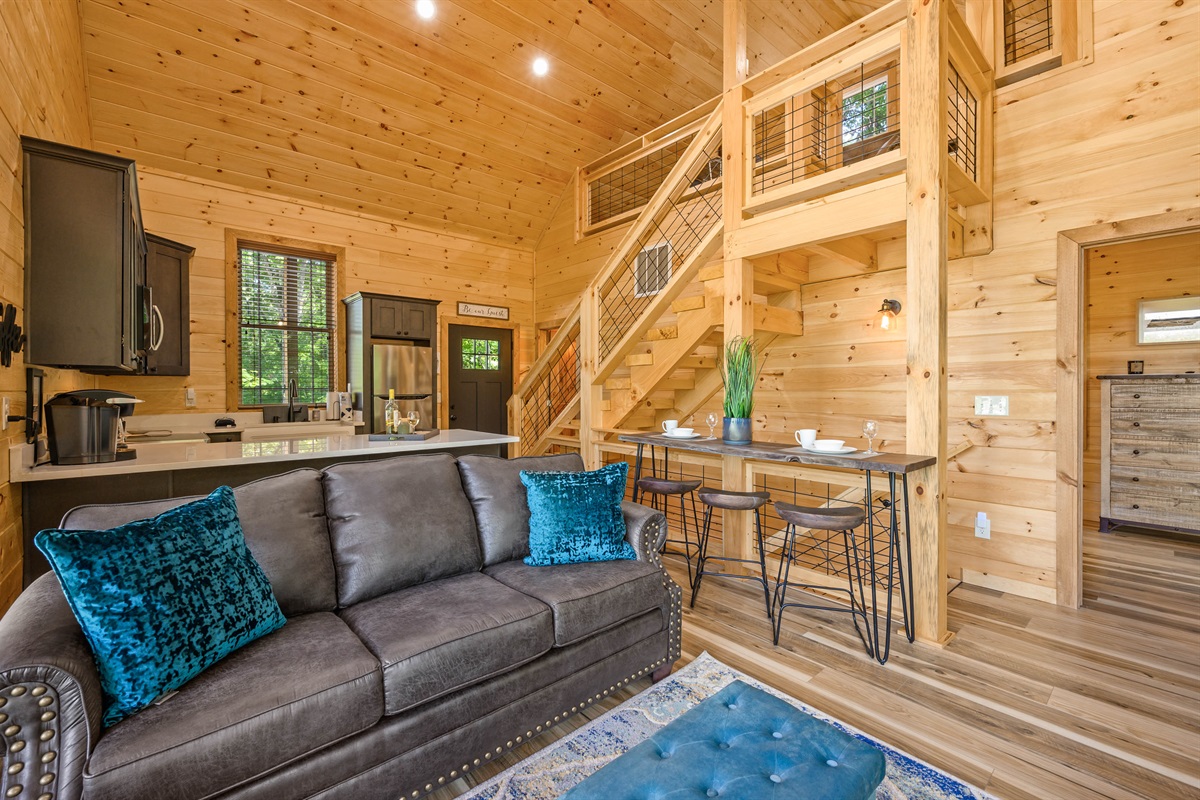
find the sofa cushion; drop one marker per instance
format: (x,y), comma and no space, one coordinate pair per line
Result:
(445,635)
(396,523)
(162,599)
(576,516)
(586,597)
(280,698)
(283,519)
(501,511)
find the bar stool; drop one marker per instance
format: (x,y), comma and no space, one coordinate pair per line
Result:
(733,501)
(665,488)
(843,519)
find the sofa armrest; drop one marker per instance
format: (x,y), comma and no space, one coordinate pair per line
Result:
(645,529)
(50,697)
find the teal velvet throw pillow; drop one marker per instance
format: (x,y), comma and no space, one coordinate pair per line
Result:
(160,600)
(576,516)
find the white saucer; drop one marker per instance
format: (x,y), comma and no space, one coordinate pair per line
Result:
(690,436)
(846,449)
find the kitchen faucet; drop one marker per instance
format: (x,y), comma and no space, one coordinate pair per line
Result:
(293,396)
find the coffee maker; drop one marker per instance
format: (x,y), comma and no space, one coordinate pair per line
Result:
(83,427)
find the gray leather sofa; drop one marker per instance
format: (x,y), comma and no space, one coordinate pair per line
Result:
(418,645)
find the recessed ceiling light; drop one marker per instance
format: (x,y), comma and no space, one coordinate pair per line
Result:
(540,66)
(426,9)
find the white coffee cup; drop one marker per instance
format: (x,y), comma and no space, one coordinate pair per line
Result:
(670,425)
(682,433)
(806,436)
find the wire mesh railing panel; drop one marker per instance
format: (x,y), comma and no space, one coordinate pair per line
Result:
(962,123)
(680,225)
(631,186)
(824,551)
(840,122)
(551,391)
(1028,29)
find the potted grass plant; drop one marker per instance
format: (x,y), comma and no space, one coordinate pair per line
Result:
(740,365)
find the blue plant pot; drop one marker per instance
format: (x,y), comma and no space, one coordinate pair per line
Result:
(736,430)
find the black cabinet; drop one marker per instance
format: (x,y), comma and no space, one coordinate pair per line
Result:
(403,318)
(169,330)
(84,260)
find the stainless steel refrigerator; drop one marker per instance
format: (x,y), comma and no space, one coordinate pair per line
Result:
(406,368)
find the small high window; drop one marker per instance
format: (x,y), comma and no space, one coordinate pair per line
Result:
(481,354)
(865,111)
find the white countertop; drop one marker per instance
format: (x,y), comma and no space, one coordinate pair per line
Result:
(166,456)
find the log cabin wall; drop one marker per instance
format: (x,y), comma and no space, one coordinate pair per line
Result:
(1117,277)
(43,93)
(1102,142)
(381,256)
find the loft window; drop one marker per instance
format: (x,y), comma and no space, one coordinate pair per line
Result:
(287,324)
(481,354)
(865,111)
(653,270)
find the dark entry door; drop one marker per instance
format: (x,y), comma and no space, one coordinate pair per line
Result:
(480,362)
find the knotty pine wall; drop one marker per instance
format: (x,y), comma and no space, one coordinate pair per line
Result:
(1112,140)
(43,94)
(1117,277)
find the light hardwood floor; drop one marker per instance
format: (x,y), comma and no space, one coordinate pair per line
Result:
(1028,701)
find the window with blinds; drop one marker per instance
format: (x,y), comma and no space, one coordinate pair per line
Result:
(287,324)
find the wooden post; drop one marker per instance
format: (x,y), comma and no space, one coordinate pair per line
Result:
(924,115)
(590,393)
(738,277)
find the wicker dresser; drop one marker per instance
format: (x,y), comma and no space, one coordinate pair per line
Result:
(1150,452)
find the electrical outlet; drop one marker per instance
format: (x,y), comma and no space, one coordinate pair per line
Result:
(4,412)
(983,526)
(991,406)
(189,397)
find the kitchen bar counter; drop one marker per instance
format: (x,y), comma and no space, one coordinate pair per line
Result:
(887,557)
(168,456)
(185,469)
(896,463)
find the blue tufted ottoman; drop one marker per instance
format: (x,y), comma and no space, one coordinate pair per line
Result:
(741,744)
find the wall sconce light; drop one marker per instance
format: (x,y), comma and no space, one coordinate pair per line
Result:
(887,314)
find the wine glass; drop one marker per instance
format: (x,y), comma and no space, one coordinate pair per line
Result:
(870,430)
(711,420)
(414,418)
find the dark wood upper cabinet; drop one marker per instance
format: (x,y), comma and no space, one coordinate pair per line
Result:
(168,333)
(402,318)
(84,260)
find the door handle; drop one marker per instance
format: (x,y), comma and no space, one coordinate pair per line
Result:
(453,418)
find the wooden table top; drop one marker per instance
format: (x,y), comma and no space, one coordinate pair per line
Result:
(790,453)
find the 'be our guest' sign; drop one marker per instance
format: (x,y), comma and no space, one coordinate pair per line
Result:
(478,310)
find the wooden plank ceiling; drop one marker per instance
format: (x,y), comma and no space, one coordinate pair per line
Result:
(361,105)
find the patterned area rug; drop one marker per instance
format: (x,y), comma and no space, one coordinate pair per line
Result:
(550,772)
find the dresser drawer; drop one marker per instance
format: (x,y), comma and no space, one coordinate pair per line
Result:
(1166,396)
(1150,423)
(1177,512)
(1164,454)
(1154,482)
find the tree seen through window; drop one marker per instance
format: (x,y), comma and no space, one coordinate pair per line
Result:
(286,325)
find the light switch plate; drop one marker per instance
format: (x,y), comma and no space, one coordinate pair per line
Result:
(991,405)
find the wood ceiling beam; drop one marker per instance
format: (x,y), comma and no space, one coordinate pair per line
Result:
(857,251)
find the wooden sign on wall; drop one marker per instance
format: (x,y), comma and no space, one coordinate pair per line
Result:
(480,310)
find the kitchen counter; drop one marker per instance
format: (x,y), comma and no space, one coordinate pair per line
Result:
(169,456)
(186,469)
